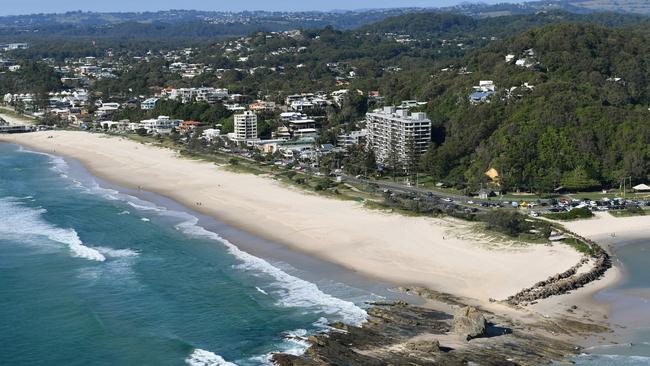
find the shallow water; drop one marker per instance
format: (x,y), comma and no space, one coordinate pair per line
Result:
(93,275)
(630,309)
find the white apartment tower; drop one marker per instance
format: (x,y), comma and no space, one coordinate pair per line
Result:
(246,126)
(398,137)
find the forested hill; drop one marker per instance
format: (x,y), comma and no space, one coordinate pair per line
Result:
(443,24)
(583,123)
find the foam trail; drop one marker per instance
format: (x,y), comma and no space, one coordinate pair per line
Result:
(32,223)
(261,291)
(58,163)
(202,357)
(117,253)
(611,360)
(298,292)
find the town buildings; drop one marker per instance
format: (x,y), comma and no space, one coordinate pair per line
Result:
(398,137)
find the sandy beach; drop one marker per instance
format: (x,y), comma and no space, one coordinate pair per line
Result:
(605,228)
(441,254)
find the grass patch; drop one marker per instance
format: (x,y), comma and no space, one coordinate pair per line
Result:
(578,245)
(575,214)
(629,212)
(16,115)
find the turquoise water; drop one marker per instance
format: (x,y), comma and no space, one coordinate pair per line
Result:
(630,309)
(89,275)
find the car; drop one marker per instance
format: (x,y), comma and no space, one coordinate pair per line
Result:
(534,214)
(470,202)
(447,199)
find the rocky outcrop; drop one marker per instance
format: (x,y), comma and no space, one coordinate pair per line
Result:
(469,322)
(401,334)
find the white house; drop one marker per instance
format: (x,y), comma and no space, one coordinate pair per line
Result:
(210,134)
(149,104)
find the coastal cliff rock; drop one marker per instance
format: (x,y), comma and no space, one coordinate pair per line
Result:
(469,322)
(401,334)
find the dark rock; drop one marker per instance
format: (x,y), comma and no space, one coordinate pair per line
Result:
(424,346)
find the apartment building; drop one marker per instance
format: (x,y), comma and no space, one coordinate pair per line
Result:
(245,126)
(396,136)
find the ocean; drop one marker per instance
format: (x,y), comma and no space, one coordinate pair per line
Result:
(91,274)
(630,308)
(95,274)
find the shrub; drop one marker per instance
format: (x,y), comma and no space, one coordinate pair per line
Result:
(506,222)
(575,214)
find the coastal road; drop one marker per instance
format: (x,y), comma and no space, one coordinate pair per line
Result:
(455,198)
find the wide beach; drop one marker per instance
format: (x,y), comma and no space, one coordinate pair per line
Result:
(442,254)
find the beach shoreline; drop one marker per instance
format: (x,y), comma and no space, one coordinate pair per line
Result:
(358,239)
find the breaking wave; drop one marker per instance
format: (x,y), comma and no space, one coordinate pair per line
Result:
(202,357)
(296,292)
(612,360)
(20,220)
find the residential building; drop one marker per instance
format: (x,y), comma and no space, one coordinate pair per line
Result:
(352,138)
(204,94)
(245,126)
(186,127)
(149,104)
(210,134)
(398,137)
(159,126)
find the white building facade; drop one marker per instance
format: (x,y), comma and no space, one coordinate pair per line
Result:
(398,137)
(245,126)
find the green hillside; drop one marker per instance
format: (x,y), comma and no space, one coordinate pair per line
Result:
(584,124)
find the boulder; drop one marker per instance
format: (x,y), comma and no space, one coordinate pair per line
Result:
(424,346)
(469,322)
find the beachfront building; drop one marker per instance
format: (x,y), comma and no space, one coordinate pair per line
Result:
(398,137)
(245,126)
(210,134)
(162,125)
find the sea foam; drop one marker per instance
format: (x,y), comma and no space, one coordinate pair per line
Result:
(297,292)
(20,221)
(607,360)
(202,357)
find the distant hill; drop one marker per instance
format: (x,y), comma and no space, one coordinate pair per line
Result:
(621,6)
(449,25)
(482,10)
(193,24)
